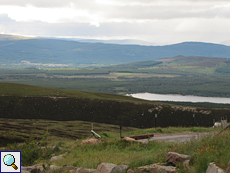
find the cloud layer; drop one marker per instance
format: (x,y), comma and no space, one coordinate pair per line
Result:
(157,21)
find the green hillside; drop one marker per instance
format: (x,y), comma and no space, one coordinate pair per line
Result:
(20,90)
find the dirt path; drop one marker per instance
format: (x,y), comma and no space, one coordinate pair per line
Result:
(180,137)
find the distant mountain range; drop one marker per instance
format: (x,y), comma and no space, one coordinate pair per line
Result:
(122,42)
(23,51)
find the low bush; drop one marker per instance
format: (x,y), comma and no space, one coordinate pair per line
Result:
(31,151)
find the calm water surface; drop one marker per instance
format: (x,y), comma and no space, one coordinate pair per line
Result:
(179,98)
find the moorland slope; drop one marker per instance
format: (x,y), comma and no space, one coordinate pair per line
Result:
(64,105)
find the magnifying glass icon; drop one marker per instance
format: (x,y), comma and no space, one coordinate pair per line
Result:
(9,160)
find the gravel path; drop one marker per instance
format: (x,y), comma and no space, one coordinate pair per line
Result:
(181,137)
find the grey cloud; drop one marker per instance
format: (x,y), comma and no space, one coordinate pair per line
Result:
(41,3)
(160,32)
(167,12)
(181,22)
(61,3)
(149,10)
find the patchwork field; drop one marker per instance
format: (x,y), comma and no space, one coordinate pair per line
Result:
(115,76)
(201,76)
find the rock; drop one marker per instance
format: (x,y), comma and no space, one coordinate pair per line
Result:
(154,168)
(26,169)
(130,171)
(212,168)
(54,158)
(142,169)
(105,168)
(186,164)
(129,139)
(54,167)
(51,148)
(228,169)
(63,154)
(119,169)
(68,168)
(90,141)
(85,170)
(37,169)
(176,158)
(143,141)
(32,169)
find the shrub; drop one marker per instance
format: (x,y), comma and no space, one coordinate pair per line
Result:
(43,142)
(30,151)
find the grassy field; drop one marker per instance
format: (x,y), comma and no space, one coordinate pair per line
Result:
(112,149)
(209,149)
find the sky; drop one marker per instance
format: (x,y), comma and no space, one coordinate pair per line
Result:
(158,22)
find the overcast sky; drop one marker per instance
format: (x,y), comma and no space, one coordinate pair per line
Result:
(158,21)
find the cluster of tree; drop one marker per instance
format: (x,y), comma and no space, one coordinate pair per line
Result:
(184,85)
(223,70)
(212,86)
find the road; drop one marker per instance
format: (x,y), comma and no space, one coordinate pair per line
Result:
(181,137)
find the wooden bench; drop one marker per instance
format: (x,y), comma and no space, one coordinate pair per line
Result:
(142,136)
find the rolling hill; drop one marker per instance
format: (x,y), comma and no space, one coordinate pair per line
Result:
(180,65)
(17,51)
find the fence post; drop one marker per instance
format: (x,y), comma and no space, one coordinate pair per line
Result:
(155,120)
(120,130)
(193,120)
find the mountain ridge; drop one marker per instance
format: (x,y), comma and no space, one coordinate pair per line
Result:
(40,51)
